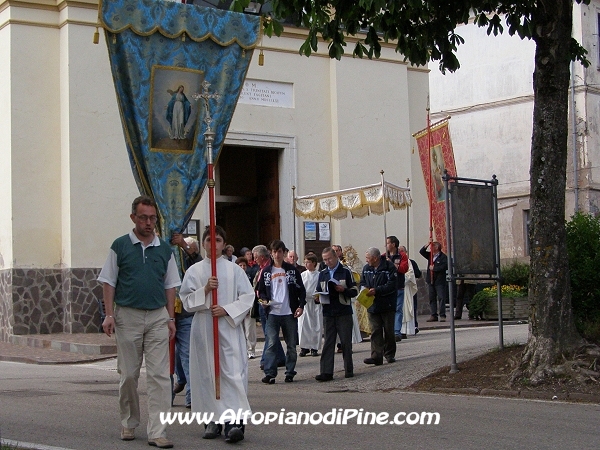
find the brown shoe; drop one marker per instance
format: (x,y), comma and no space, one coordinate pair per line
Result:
(432,319)
(160,442)
(127,434)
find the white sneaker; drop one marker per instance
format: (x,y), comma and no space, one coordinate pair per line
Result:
(251,355)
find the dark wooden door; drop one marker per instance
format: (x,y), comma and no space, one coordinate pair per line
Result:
(268,195)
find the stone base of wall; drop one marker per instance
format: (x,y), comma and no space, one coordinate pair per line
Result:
(44,301)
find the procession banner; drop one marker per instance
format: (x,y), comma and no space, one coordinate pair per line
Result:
(436,155)
(163,55)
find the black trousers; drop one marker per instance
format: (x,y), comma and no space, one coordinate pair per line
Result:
(438,295)
(337,326)
(383,340)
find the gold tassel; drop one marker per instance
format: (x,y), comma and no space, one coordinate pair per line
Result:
(114,39)
(96,36)
(183,36)
(261,56)
(243,53)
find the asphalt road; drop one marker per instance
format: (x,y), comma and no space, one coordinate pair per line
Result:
(76,406)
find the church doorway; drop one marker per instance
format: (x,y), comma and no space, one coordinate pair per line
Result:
(247,195)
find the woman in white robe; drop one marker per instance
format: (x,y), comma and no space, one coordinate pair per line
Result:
(408,311)
(310,323)
(235,297)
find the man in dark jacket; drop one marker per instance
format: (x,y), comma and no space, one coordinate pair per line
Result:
(379,277)
(436,279)
(336,299)
(280,289)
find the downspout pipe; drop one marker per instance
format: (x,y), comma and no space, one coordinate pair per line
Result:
(574,136)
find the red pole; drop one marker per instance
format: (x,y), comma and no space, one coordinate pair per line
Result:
(172,356)
(213,259)
(430,194)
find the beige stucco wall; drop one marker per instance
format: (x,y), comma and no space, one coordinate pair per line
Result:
(98,185)
(587,109)
(35,144)
(490,101)
(5,150)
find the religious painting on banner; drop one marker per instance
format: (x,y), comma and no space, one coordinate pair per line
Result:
(178,70)
(174,113)
(436,156)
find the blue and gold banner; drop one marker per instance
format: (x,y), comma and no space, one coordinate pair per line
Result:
(162,55)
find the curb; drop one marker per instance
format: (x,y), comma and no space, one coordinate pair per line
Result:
(28,445)
(522,394)
(42,361)
(469,324)
(37,341)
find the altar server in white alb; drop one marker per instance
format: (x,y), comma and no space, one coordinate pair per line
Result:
(235,298)
(310,324)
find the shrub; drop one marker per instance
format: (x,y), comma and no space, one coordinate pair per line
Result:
(516,273)
(480,303)
(583,250)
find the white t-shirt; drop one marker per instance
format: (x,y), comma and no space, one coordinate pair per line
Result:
(280,299)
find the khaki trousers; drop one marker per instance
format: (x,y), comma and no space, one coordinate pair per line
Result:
(250,332)
(141,333)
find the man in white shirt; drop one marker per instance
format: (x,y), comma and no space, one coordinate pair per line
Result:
(139,279)
(282,292)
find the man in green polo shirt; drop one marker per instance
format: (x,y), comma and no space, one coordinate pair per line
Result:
(139,279)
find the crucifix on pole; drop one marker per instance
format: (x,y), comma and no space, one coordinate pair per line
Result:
(206,96)
(209,136)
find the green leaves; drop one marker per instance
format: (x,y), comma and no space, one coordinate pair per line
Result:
(421,30)
(583,249)
(578,53)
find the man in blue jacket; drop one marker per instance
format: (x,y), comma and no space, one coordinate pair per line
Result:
(379,277)
(337,287)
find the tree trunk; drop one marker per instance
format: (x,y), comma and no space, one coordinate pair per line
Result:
(552,331)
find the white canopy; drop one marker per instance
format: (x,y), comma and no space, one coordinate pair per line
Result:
(360,202)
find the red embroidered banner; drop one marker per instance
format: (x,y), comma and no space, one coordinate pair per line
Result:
(436,155)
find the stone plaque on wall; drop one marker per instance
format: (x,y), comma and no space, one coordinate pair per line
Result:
(267,93)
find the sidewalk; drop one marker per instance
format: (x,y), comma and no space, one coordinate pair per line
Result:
(63,348)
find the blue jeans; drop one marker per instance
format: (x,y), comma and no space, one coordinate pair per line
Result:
(399,312)
(182,354)
(289,326)
(279,347)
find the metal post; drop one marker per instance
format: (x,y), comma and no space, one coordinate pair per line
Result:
(294,217)
(407,222)
(450,277)
(497,252)
(384,212)
(574,135)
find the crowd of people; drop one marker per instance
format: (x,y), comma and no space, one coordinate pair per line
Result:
(313,306)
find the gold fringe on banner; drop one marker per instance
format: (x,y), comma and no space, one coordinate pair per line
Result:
(433,127)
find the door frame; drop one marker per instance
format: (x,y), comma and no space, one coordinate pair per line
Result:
(288,174)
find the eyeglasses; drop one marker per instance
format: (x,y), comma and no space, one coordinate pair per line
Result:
(152,219)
